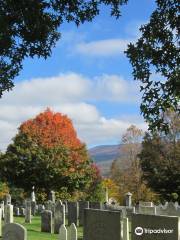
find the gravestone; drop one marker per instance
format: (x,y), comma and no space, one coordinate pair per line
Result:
(170,209)
(14,231)
(148,227)
(146,204)
(27,211)
(128,199)
(95,205)
(73,212)
(33,208)
(2,207)
(50,206)
(66,206)
(46,221)
(16,211)
(82,206)
(125,229)
(22,211)
(72,233)
(7,199)
(59,216)
(63,233)
(147,210)
(8,214)
(52,196)
(102,225)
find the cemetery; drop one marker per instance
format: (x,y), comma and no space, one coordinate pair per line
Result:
(86,152)
(85,220)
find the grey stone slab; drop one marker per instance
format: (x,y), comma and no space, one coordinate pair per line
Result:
(73,213)
(147,210)
(14,231)
(46,221)
(59,216)
(82,206)
(8,214)
(102,225)
(149,227)
(72,233)
(62,233)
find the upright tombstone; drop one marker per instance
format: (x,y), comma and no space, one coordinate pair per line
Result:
(33,208)
(102,225)
(59,216)
(52,196)
(22,211)
(7,199)
(28,211)
(16,211)
(8,214)
(148,227)
(73,213)
(33,202)
(46,221)
(2,207)
(63,233)
(128,199)
(146,204)
(14,231)
(72,234)
(125,229)
(82,206)
(50,206)
(147,210)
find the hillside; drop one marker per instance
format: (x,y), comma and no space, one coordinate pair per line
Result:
(104,155)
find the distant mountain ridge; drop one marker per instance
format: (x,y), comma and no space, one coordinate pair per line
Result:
(104,155)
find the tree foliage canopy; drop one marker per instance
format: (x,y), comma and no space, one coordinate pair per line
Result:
(30,28)
(160,161)
(47,154)
(155,58)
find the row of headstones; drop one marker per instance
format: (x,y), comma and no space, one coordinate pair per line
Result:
(73,210)
(8,211)
(169,209)
(106,225)
(18,232)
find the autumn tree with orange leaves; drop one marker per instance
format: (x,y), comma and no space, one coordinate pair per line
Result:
(46,153)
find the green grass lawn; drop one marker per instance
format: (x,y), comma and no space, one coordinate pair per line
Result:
(34,229)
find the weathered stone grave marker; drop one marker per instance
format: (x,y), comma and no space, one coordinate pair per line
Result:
(59,216)
(14,231)
(8,214)
(72,233)
(148,227)
(102,225)
(46,221)
(63,233)
(73,213)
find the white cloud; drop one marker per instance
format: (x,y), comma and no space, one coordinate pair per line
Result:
(103,48)
(71,94)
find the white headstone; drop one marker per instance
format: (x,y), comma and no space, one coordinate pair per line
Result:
(72,233)
(63,233)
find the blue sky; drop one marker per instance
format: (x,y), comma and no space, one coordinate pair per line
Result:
(87,77)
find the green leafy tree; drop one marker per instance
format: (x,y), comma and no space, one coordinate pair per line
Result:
(48,155)
(31,28)
(160,162)
(157,52)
